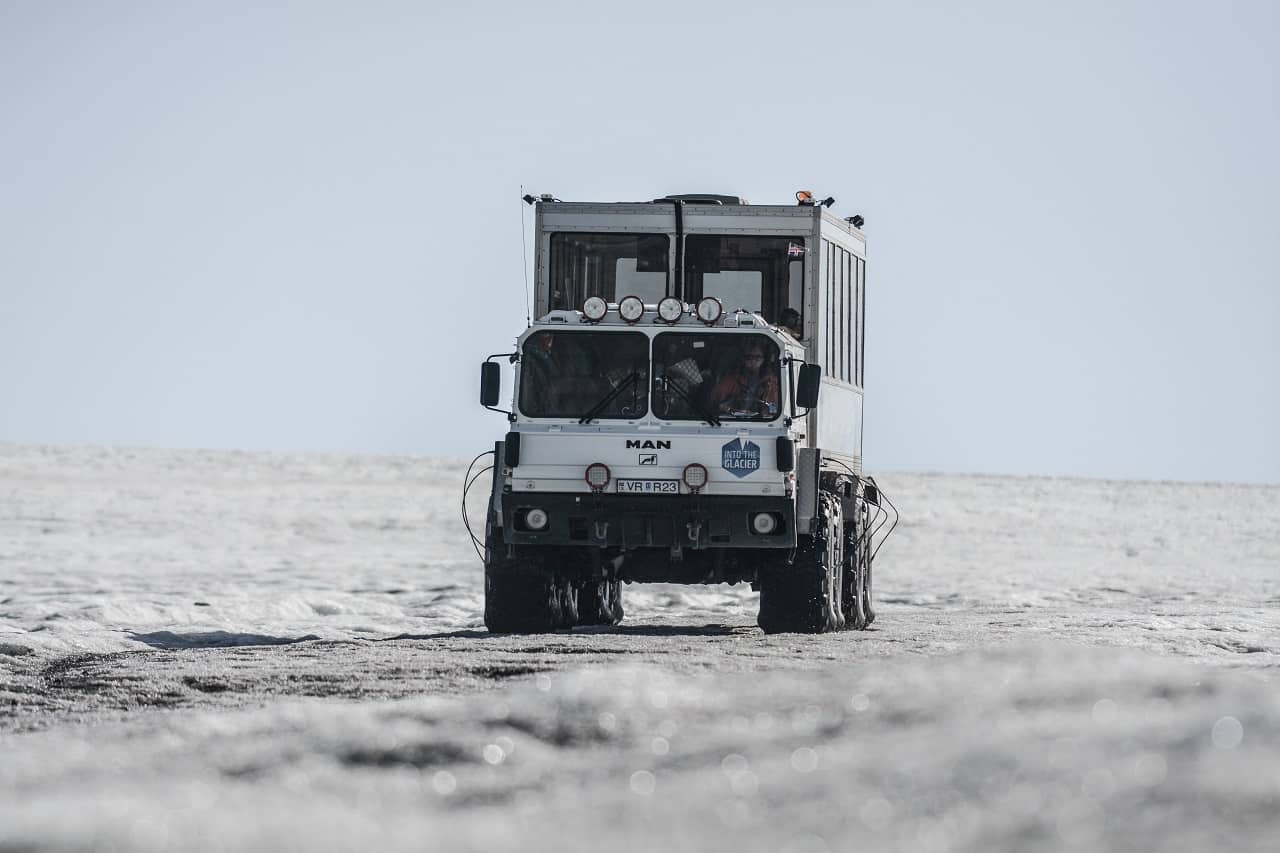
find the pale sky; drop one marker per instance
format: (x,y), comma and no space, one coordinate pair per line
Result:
(294,226)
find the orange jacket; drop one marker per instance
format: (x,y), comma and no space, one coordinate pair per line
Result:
(744,394)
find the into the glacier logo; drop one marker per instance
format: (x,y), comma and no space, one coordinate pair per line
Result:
(740,458)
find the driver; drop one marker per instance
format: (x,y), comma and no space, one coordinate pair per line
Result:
(748,389)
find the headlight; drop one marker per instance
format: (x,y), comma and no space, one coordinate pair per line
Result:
(595,308)
(597,476)
(694,476)
(536,519)
(764,523)
(631,308)
(709,309)
(670,309)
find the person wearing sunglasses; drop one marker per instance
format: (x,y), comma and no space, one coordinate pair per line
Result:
(749,389)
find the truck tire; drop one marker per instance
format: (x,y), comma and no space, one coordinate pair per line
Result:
(866,594)
(867,560)
(854,595)
(803,596)
(599,602)
(520,595)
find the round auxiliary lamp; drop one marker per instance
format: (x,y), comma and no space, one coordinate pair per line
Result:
(709,309)
(670,309)
(597,476)
(631,308)
(694,476)
(594,309)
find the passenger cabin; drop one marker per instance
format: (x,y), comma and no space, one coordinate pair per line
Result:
(760,258)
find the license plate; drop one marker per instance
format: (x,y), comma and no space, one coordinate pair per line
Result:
(649,487)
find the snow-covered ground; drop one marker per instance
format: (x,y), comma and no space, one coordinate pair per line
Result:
(228,650)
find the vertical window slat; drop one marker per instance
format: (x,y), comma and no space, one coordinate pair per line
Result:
(862,325)
(831,328)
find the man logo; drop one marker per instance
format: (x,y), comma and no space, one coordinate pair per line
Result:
(647,444)
(648,459)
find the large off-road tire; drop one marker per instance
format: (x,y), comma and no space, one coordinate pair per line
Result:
(854,596)
(866,592)
(520,595)
(867,553)
(803,596)
(599,602)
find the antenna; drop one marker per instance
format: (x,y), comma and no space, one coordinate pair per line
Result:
(524,262)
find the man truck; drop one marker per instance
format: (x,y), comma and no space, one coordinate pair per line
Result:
(687,408)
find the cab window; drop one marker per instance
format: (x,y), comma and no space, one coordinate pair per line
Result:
(571,374)
(701,375)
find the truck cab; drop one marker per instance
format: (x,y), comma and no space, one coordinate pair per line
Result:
(687,408)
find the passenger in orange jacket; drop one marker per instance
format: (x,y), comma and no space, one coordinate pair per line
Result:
(748,390)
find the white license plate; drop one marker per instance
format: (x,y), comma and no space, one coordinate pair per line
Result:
(649,487)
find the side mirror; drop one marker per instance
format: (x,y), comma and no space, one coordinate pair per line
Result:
(490,383)
(808,384)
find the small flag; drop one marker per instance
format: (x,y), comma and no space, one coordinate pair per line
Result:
(795,250)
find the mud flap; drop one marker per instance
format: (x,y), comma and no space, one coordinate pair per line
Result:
(808,464)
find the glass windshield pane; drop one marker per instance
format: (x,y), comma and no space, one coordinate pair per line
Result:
(610,266)
(728,376)
(762,274)
(568,374)
(735,289)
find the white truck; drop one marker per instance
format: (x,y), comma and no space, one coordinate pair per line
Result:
(687,409)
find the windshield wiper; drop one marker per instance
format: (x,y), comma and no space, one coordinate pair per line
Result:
(709,417)
(595,410)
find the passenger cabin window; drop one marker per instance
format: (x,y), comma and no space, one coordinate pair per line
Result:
(764,274)
(844,295)
(610,266)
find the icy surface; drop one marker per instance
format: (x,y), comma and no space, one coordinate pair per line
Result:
(214,650)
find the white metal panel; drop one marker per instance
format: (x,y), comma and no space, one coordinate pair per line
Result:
(839,414)
(645,218)
(701,219)
(565,455)
(839,231)
(551,462)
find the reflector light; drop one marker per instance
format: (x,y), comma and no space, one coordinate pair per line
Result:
(694,476)
(670,309)
(535,519)
(709,310)
(631,308)
(763,523)
(595,308)
(597,476)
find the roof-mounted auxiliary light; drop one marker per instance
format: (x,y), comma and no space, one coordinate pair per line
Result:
(594,309)
(805,199)
(670,309)
(709,309)
(631,308)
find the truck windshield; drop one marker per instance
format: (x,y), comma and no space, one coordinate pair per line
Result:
(570,374)
(707,376)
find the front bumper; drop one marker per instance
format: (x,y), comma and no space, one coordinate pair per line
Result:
(638,521)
